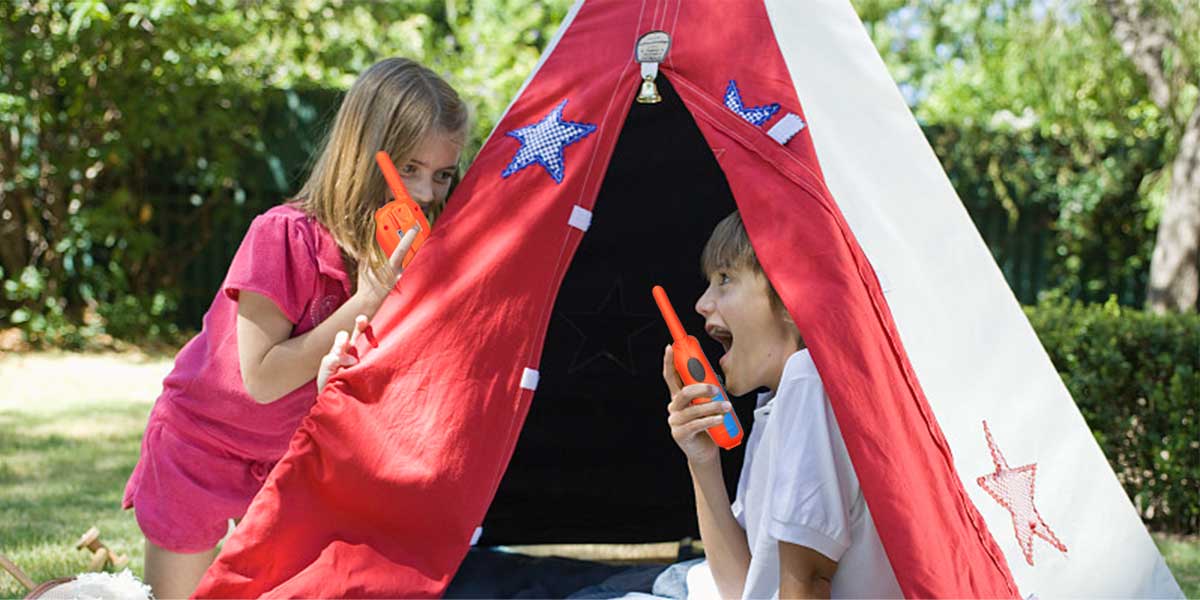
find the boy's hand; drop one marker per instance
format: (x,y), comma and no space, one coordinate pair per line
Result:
(339,354)
(376,290)
(690,424)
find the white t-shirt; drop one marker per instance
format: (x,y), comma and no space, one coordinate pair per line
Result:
(797,485)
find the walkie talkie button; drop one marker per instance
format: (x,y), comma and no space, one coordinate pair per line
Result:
(695,369)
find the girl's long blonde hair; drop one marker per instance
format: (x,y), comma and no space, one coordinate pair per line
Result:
(392,106)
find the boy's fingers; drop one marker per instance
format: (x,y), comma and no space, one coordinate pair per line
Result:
(701,425)
(681,399)
(699,411)
(669,374)
(406,242)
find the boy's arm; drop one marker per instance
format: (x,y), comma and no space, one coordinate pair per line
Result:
(724,539)
(725,544)
(804,572)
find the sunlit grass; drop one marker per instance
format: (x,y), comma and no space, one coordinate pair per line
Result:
(1183,556)
(70,429)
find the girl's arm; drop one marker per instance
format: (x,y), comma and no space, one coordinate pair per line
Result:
(804,572)
(272,363)
(724,539)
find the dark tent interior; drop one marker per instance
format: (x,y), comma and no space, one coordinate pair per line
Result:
(595,462)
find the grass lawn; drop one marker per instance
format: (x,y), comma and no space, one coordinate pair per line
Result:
(70,428)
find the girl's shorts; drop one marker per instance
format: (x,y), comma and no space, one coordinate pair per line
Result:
(184,492)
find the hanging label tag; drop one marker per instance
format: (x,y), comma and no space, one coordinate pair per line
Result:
(651,49)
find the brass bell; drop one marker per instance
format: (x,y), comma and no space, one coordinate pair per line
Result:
(649,92)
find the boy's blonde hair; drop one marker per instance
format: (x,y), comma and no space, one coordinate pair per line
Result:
(729,248)
(392,106)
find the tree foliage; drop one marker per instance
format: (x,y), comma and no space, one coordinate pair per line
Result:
(1039,115)
(132,131)
(137,138)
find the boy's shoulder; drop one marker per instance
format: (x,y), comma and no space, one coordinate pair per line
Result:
(800,395)
(799,367)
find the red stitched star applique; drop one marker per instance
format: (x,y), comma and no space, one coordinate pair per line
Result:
(1013,489)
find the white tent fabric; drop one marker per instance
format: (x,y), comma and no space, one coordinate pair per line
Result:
(972,348)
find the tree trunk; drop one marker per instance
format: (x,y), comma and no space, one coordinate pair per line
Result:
(1175,266)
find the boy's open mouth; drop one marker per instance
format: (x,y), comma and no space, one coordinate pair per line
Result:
(722,336)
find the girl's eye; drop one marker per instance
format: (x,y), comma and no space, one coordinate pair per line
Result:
(408,170)
(723,278)
(445,176)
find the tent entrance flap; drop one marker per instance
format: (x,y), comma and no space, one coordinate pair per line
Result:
(595,461)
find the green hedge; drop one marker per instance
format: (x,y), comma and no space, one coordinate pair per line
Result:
(1136,378)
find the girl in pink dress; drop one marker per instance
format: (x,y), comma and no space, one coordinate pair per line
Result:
(303,272)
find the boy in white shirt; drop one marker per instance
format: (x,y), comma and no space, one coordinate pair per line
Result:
(799,526)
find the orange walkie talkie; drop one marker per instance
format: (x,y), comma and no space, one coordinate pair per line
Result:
(398,216)
(693,367)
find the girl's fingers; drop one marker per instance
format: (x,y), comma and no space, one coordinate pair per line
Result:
(360,325)
(406,242)
(329,362)
(339,344)
(328,365)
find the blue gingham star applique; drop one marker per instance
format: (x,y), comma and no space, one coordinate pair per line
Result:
(755,115)
(542,143)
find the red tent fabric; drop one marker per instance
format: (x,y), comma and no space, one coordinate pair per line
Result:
(387,478)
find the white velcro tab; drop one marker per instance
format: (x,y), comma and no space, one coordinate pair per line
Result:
(475,536)
(529,379)
(786,128)
(581,219)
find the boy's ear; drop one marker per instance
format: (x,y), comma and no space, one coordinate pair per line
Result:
(787,318)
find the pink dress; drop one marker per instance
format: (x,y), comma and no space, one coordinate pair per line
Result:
(208,445)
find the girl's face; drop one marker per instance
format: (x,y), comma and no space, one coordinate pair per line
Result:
(432,166)
(758,337)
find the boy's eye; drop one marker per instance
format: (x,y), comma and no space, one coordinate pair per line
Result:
(722,278)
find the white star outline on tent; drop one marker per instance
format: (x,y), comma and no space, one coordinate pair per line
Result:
(543,142)
(755,115)
(1013,489)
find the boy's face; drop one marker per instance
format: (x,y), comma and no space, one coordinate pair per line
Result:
(758,338)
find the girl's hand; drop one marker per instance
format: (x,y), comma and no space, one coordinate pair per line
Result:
(373,290)
(339,355)
(690,424)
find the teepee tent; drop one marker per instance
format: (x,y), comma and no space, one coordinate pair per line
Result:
(529,307)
